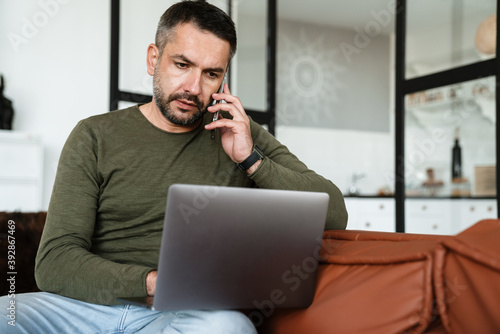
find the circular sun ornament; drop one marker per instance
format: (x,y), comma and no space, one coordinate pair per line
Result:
(306,76)
(308,82)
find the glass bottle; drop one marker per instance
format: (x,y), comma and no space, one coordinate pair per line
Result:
(456,158)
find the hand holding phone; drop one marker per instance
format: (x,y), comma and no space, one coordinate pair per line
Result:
(235,131)
(216,114)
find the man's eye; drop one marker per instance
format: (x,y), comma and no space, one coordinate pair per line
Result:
(213,75)
(181,65)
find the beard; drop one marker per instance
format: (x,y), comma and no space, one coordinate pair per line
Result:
(181,117)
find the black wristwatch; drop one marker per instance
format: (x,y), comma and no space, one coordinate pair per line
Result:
(253,158)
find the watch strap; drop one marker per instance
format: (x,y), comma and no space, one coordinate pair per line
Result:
(252,159)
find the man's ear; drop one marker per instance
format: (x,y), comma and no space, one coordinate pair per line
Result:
(153,57)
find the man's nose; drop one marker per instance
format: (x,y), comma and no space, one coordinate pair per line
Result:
(193,83)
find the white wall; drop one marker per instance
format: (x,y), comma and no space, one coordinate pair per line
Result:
(54,56)
(338,154)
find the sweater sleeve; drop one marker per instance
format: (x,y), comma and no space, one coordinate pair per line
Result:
(64,263)
(280,169)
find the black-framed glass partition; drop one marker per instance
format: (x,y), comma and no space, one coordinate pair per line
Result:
(369,94)
(446,115)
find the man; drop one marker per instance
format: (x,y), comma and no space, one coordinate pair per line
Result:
(102,235)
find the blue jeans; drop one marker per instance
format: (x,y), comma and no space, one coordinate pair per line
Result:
(42,312)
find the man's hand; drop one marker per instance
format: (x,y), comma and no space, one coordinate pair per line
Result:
(151,283)
(235,133)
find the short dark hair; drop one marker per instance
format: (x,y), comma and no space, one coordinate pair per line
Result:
(203,15)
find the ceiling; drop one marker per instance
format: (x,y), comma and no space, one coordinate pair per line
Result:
(362,13)
(340,13)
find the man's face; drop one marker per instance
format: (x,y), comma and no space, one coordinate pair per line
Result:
(190,70)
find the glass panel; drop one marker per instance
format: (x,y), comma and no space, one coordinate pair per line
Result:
(334,64)
(450,141)
(449,33)
(222,4)
(248,79)
(138,21)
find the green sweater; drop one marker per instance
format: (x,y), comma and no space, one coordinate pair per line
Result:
(104,222)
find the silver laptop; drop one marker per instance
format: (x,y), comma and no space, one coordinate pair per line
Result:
(238,248)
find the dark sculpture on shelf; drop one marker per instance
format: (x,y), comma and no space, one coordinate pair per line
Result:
(6,110)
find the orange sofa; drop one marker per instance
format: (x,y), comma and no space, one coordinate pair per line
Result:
(368,282)
(379,282)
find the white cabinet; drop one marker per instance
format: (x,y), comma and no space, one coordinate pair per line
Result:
(371,214)
(469,211)
(21,171)
(446,216)
(428,216)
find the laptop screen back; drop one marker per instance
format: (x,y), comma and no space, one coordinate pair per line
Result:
(237,248)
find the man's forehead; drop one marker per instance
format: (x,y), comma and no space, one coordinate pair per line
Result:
(195,45)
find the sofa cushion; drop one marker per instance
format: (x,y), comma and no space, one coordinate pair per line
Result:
(367,283)
(467,279)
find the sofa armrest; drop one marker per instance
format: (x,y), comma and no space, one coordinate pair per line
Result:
(467,276)
(368,282)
